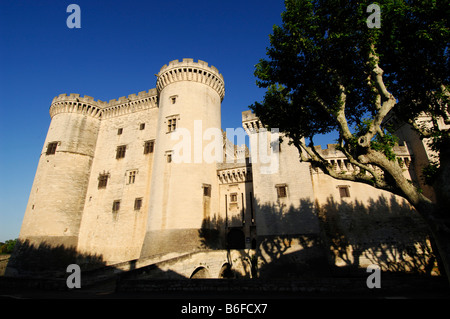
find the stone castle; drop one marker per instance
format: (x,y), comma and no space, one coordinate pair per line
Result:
(107,185)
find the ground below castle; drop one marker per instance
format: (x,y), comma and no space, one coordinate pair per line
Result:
(394,286)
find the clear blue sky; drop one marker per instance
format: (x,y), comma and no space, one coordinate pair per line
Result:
(118,50)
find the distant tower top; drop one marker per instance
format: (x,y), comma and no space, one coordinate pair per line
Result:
(188,70)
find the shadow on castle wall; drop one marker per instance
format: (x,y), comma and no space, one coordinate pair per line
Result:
(41,259)
(384,232)
(335,238)
(309,240)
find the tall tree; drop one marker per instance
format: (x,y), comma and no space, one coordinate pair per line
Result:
(330,68)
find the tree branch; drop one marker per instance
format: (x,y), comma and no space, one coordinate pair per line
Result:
(341,119)
(403,186)
(340,116)
(383,108)
(378,180)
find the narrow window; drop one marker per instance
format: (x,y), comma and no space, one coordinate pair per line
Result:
(148,147)
(281,191)
(142,126)
(131,177)
(171,123)
(344,191)
(233,197)
(51,148)
(116,206)
(119,131)
(173,99)
(102,180)
(207,190)
(168,155)
(138,203)
(120,153)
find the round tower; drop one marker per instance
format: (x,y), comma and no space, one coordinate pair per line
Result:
(184,187)
(58,193)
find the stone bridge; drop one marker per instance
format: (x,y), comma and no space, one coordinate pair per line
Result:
(207,264)
(275,259)
(200,264)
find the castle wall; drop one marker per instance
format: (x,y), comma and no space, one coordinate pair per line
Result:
(423,156)
(117,235)
(132,178)
(371,226)
(422,153)
(352,224)
(284,197)
(236,220)
(190,95)
(57,196)
(326,187)
(363,225)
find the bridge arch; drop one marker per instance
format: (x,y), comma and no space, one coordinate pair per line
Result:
(200,272)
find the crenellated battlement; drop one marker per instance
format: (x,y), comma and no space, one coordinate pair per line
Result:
(332,151)
(74,103)
(337,159)
(132,103)
(188,70)
(250,122)
(75,97)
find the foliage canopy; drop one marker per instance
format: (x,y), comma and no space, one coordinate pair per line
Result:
(328,71)
(8,246)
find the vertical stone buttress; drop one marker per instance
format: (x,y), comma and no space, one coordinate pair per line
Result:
(190,96)
(58,193)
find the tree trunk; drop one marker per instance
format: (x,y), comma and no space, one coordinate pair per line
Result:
(440,231)
(436,214)
(440,221)
(437,218)
(442,183)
